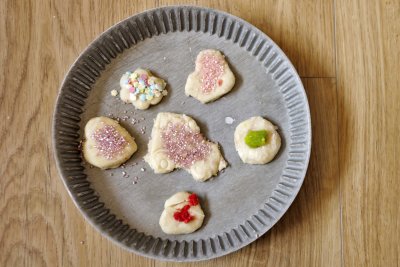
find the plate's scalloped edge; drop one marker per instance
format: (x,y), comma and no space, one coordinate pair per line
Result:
(88,67)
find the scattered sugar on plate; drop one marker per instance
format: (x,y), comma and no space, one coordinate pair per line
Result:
(114,92)
(229,120)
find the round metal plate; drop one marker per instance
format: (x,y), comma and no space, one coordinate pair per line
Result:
(241,203)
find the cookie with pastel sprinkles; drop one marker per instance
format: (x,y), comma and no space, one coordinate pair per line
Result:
(142,88)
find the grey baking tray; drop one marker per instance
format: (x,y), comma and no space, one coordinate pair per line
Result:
(241,203)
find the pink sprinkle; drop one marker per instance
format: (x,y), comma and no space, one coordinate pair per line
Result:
(211,68)
(184,147)
(108,141)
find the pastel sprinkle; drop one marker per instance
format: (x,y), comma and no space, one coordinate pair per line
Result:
(142,97)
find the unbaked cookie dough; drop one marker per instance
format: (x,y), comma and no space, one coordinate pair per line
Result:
(182,214)
(176,142)
(212,77)
(142,89)
(107,144)
(257,141)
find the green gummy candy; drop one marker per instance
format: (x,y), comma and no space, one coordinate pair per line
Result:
(256,139)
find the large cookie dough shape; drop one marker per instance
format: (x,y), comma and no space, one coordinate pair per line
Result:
(111,131)
(160,162)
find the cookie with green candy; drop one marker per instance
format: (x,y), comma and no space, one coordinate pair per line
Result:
(257,140)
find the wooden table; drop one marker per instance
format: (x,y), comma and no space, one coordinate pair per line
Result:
(348,55)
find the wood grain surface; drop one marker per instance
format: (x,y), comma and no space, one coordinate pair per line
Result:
(347,212)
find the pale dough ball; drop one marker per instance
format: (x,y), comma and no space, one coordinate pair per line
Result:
(262,154)
(147,90)
(176,203)
(212,77)
(107,144)
(166,153)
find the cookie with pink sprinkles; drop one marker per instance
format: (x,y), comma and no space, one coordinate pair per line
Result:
(176,142)
(212,77)
(107,144)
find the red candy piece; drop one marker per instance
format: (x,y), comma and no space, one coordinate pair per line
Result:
(183,215)
(220,82)
(193,200)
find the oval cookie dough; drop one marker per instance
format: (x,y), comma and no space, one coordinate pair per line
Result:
(175,204)
(107,144)
(142,88)
(212,77)
(262,154)
(176,142)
